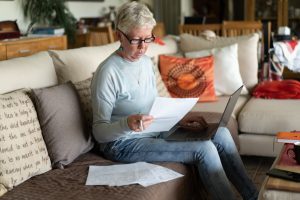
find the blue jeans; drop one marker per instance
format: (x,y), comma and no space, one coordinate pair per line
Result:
(217,160)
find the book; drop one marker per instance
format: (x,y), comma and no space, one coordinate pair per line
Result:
(48,31)
(288,137)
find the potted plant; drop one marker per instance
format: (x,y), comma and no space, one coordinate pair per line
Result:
(49,13)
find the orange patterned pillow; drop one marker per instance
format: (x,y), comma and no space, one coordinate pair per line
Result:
(189,77)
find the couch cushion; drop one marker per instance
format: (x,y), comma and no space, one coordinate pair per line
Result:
(227,76)
(79,64)
(188,77)
(34,71)
(23,153)
(70,184)
(160,85)
(269,116)
(84,90)
(170,47)
(259,145)
(219,106)
(247,52)
(62,122)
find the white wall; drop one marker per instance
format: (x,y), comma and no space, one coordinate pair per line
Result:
(186,9)
(11,10)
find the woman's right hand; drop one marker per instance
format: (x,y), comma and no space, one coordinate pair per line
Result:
(139,122)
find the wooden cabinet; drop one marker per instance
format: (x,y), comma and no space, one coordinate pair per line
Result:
(2,52)
(279,12)
(27,46)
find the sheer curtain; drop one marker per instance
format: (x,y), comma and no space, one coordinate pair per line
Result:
(168,12)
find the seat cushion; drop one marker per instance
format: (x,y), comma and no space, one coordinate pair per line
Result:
(69,183)
(269,116)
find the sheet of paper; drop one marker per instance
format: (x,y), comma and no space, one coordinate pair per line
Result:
(168,111)
(142,173)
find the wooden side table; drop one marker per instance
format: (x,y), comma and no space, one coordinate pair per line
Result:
(276,188)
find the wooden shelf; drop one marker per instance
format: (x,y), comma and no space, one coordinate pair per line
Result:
(13,48)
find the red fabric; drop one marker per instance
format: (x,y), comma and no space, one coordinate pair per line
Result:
(292,43)
(285,158)
(159,41)
(285,89)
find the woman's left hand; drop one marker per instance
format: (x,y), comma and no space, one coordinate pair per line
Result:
(139,122)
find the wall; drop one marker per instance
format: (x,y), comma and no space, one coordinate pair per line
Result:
(11,10)
(186,9)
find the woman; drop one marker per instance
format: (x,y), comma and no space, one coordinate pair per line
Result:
(124,87)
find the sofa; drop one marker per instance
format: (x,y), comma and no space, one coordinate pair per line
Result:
(46,145)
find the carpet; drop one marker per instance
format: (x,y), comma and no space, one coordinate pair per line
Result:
(256,167)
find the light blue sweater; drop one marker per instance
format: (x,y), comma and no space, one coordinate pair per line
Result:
(121,88)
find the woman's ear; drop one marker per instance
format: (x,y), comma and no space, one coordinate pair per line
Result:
(118,34)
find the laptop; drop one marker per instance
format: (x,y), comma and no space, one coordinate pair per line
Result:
(180,134)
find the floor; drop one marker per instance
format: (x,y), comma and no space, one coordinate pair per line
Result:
(256,168)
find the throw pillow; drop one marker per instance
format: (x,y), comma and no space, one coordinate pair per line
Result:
(62,123)
(247,52)
(23,153)
(187,77)
(227,73)
(84,90)
(79,64)
(160,85)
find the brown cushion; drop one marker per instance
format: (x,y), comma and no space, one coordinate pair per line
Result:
(62,123)
(84,90)
(69,183)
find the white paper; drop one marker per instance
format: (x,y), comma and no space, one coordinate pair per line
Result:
(142,173)
(168,111)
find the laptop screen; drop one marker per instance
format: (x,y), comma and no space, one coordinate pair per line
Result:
(230,106)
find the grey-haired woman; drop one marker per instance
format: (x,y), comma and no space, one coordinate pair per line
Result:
(123,90)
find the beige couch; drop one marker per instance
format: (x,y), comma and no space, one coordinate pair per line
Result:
(254,123)
(46,146)
(258,119)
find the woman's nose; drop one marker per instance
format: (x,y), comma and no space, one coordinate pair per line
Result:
(141,45)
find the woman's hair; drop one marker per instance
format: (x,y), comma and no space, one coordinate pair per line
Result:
(132,15)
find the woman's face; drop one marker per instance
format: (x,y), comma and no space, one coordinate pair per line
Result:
(137,47)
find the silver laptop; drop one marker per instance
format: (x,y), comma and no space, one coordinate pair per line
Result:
(179,134)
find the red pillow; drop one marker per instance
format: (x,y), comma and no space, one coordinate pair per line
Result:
(189,77)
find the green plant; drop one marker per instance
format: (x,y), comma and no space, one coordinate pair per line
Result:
(50,13)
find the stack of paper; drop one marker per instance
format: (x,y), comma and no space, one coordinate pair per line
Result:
(167,112)
(142,173)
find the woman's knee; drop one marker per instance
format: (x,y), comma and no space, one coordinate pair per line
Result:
(224,140)
(206,151)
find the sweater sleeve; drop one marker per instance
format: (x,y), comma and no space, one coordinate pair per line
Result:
(104,93)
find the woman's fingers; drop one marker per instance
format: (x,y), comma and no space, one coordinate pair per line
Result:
(139,122)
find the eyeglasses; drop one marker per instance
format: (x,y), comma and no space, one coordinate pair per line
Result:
(138,41)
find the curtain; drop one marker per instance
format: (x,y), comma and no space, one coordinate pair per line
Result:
(168,12)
